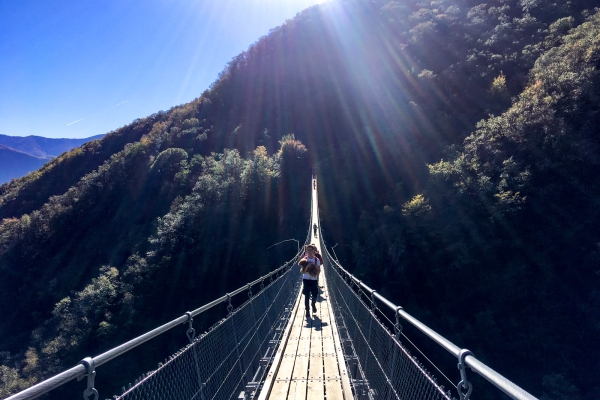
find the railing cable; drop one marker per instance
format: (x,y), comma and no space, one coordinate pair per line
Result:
(466,359)
(398,331)
(81,370)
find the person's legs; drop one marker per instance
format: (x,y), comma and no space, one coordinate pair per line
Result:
(306,292)
(315,293)
(306,301)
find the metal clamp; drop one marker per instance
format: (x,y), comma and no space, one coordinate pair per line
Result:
(464,387)
(229,306)
(398,326)
(249,291)
(262,284)
(90,372)
(373,304)
(191,332)
(360,291)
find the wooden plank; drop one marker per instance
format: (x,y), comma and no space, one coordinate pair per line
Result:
(316,342)
(284,386)
(328,346)
(326,330)
(286,367)
(345,380)
(297,390)
(315,369)
(330,364)
(295,331)
(333,389)
(280,390)
(300,368)
(292,347)
(277,359)
(315,389)
(305,335)
(304,346)
(291,379)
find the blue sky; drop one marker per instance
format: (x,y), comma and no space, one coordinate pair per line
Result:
(78,68)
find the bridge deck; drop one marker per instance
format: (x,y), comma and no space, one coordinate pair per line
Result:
(309,363)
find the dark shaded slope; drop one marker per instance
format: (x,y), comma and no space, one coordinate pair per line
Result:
(382,88)
(500,250)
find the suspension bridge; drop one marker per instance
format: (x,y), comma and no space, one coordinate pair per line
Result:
(269,348)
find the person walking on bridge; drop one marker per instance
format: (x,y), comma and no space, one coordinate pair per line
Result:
(310,269)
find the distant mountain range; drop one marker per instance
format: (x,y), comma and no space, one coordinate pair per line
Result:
(20,155)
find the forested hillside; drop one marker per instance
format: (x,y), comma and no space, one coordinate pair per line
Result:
(456,146)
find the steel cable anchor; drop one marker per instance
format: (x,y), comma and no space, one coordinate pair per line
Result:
(398,325)
(464,384)
(90,372)
(229,306)
(373,304)
(191,332)
(359,289)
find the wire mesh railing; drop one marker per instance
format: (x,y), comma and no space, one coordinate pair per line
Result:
(228,359)
(232,358)
(381,366)
(244,338)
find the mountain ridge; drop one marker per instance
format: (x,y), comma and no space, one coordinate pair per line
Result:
(15,163)
(13,166)
(44,147)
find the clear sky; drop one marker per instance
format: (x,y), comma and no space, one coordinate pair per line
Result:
(78,68)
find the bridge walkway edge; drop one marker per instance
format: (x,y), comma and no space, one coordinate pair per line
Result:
(309,363)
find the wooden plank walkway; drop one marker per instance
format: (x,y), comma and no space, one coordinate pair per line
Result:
(309,364)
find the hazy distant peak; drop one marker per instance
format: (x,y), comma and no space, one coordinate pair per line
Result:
(8,148)
(44,147)
(15,163)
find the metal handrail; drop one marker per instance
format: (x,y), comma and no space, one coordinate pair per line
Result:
(79,371)
(502,383)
